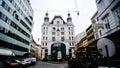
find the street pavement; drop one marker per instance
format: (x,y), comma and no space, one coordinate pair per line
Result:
(49,64)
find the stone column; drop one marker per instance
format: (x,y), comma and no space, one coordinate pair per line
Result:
(43,53)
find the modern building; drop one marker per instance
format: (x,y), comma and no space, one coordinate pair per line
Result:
(35,49)
(16,22)
(57,36)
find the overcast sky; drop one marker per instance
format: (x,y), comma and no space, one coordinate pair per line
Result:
(86,10)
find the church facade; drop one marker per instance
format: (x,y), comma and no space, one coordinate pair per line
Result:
(57,38)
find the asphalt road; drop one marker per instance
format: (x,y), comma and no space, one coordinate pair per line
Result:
(41,64)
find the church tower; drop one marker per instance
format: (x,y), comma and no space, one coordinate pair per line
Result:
(57,37)
(69,19)
(46,19)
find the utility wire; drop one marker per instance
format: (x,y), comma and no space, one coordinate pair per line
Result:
(76,5)
(51,11)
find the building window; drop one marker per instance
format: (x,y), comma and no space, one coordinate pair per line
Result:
(43,44)
(62,28)
(107,25)
(54,28)
(1,28)
(12,46)
(100,33)
(97,36)
(5,6)
(0,14)
(70,43)
(69,33)
(69,38)
(117,14)
(14,25)
(46,50)
(58,22)
(16,16)
(53,38)
(46,38)
(106,21)
(62,38)
(12,35)
(46,44)
(72,38)
(69,28)
(97,18)
(62,33)
(102,5)
(72,33)
(43,37)
(43,33)
(53,33)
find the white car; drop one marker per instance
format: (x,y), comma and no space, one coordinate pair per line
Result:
(27,61)
(33,60)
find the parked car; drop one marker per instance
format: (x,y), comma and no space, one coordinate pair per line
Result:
(33,60)
(2,65)
(27,61)
(6,59)
(22,63)
(10,63)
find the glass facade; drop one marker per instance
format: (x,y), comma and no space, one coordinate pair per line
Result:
(15,25)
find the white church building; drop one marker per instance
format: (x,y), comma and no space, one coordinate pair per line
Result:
(57,38)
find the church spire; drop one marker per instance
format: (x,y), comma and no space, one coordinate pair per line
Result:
(69,19)
(46,18)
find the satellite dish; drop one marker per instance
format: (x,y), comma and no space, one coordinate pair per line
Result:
(104,45)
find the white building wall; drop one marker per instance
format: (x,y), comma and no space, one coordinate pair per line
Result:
(67,33)
(107,12)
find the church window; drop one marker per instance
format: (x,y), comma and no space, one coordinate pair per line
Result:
(62,33)
(46,44)
(58,22)
(53,38)
(62,38)
(70,43)
(43,44)
(69,38)
(46,38)
(69,28)
(62,28)
(53,28)
(72,38)
(53,33)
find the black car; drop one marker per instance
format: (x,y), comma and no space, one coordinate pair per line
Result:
(9,63)
(7,59)
(2,65)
